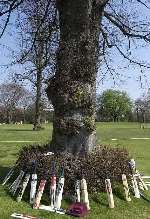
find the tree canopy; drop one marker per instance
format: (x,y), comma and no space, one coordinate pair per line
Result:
(114,105)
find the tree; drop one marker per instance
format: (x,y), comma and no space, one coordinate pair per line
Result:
(83,30)
(114,105)
(25,102)
(142,108)
(38,29)
(10,97)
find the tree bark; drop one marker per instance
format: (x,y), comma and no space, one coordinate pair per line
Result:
(72,90)
(9,117)
(37,121)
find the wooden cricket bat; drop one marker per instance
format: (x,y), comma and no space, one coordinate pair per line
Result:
(39,194)
(135,187)
(109,193)
(15,185)
(47,208)
(77,190)
(33,183)
(132,166)
(84,193)
(142,182)
(126,188)
(135,176)
(7,177)
(23,216)
(53,190)
(33,188)
(23,187)
(59,191)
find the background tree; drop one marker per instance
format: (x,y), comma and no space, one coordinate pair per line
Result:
(142,108)
(10,97)
(38,33)
(114,105)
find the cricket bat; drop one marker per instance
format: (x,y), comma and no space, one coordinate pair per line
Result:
(141,186)
(135,187)
(15,185)
(52,192)
(84,193)
(59,191)
(7,177)
(142,182)
(33,184)
(23,187)
(126,188)
(109,193)
(77,190)
(46,208)
(39,194)
(132,166)
(23,216)
(135,176)
(53,187)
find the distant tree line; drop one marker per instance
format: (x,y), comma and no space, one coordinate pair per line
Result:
(17,105)
(115,105)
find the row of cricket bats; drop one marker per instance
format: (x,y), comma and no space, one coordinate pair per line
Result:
(138,184)
(56,189)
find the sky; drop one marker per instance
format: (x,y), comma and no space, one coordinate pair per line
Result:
(129,79)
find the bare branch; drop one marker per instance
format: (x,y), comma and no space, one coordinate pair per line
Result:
(140,1)
(125,30)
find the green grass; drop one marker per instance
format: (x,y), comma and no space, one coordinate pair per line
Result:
(139,149)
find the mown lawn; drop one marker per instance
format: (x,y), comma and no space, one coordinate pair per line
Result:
(139,149)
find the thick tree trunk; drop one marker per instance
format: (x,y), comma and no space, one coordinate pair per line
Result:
(72,90)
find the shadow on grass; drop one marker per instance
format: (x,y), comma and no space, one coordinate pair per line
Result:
(119,191)
(99,199)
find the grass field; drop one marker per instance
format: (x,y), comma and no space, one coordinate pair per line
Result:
(11,140)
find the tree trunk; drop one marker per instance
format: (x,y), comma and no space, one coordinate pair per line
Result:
(37,121)
(24,115)
(72,90)
(9,117)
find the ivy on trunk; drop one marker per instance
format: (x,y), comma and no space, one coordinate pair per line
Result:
(72,90)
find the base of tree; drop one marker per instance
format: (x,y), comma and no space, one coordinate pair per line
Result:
(101,163)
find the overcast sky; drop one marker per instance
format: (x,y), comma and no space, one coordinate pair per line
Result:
(129,80)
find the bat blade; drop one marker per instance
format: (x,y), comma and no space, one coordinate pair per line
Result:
(135,187)
(8,176)
(23,187)
(47,208)
(77,190)
(39,194)
(53,190)
(126,188)
(109,193)
(15,185)
(84,193)
(33,188)
(23,216)
(59,192)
